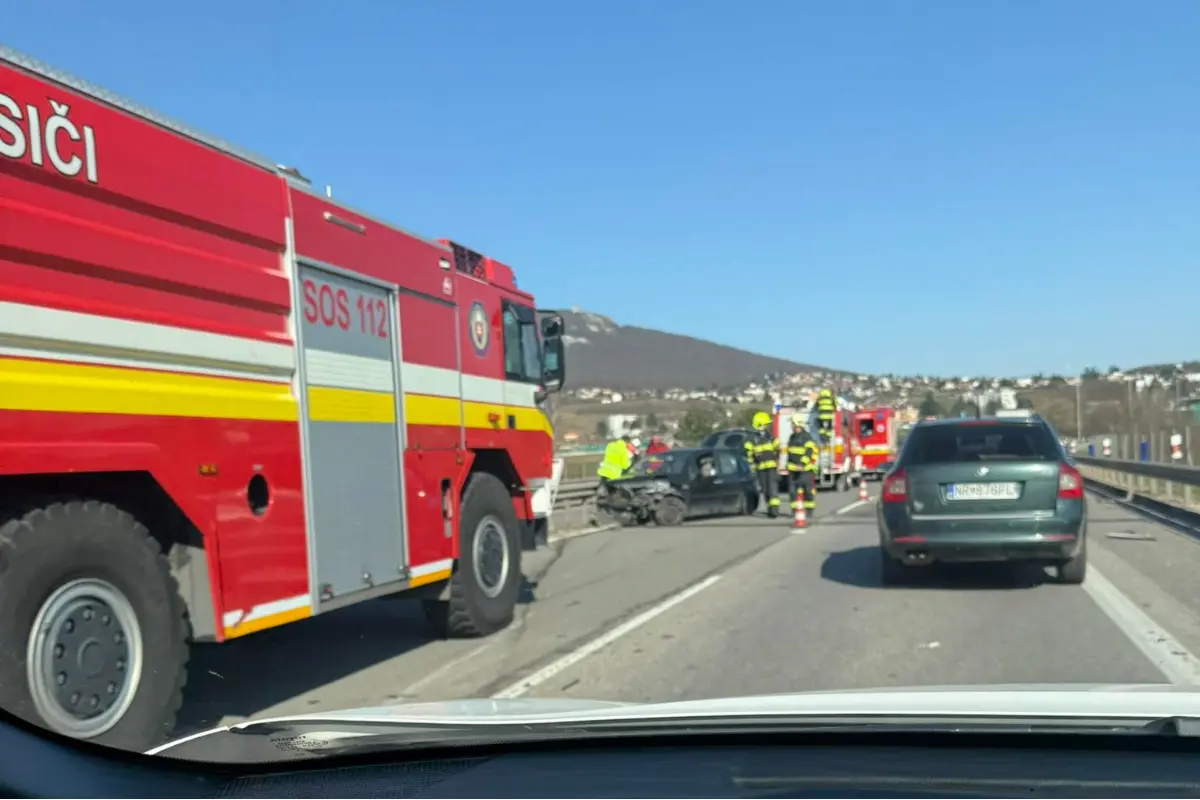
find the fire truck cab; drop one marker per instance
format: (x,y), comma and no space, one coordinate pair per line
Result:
(876,432)
(228,403)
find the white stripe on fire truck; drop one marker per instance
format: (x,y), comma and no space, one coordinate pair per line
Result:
(442,382)
(323,368)
(231,619)
(53,333)
(433,566)
(239,617)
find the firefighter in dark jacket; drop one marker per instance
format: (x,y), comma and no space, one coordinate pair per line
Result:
(802,458)
(826,408)
(762,451)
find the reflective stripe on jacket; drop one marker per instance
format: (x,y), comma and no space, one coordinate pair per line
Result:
(763,451)
(802,453)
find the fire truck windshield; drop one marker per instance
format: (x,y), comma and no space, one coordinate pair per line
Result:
(866,428)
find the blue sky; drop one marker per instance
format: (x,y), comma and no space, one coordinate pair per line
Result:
(958,187)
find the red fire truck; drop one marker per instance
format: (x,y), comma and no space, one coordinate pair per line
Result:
(228,403)
(876,432)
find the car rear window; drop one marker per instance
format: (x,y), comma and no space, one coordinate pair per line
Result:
(946,444)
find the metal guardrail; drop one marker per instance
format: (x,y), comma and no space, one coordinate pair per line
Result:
(1175,487)
(573,492)
(574,505)
(1174,473)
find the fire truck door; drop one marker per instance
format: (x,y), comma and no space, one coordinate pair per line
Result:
(353,436)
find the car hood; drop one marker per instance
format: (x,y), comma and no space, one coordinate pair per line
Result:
(1066,701)
(635,481)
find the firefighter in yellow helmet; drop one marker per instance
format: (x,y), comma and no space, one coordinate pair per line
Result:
(826,408)
(762,451)
(802,466)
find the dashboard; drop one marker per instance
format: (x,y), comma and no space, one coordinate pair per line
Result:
(32,764)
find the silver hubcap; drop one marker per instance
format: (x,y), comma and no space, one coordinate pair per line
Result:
(490,557)
(84,658)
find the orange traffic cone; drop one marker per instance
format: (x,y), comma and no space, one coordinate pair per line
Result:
(862,491)
(799,520)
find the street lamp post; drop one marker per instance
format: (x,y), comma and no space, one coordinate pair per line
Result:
(1079,409)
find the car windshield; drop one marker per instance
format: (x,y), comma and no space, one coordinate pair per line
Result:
(999,441)
(434,399)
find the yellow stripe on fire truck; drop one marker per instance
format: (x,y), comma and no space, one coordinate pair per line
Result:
(289,609)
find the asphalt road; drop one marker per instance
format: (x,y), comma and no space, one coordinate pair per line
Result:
(740,606)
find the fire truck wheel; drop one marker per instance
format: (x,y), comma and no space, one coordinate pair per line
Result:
(484,588)
(93,638)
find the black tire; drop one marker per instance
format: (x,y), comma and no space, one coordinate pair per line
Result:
(891,571)
(95,564)
(1073,571)
(670,512)
(480,608)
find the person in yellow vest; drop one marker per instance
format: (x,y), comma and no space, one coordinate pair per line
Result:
(617,459)
(802,466)
(762,452)
(826,408)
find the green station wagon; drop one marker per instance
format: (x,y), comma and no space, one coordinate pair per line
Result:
(991,489)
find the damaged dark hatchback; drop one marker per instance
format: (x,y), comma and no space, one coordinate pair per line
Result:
(983,490)
(670,487)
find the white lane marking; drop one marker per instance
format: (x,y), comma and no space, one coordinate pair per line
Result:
(852,506)
(550,670)
(1165,652)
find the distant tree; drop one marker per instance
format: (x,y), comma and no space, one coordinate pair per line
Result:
(601,430)
(1114,369)
(1090,374)
(652,422)
(636,423)
(696,424)
(960,408)
(1057,380)
(1024,402)
(929,407)
(992,408)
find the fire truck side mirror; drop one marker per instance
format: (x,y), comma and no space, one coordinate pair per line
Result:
(552,325)
(553,366)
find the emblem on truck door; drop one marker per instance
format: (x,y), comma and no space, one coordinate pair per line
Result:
(477,327)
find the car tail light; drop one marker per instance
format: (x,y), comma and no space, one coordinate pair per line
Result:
(895,488)
(1070,483)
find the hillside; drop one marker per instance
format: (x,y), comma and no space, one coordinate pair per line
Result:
(603,353)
